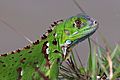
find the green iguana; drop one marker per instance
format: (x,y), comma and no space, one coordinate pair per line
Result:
(41,59)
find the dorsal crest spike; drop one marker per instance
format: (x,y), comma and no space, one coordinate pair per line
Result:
(27,47)
(46,33)
(36,42)
(12,52)
(18,50)
(43,36)
(59,21)
(50,30)
(52,25)
(3,55)
(55,23)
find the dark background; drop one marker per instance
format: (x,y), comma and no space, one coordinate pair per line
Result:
(33,17)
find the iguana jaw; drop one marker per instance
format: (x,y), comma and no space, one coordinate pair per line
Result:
(82,38)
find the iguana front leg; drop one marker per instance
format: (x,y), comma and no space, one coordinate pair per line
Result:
(55,62)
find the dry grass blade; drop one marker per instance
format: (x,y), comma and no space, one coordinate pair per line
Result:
(110,64)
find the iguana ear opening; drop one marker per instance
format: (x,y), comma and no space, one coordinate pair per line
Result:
(67,32)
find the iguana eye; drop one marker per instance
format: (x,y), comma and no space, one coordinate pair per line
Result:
(77,23)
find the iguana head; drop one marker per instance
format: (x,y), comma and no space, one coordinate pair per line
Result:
(78,28)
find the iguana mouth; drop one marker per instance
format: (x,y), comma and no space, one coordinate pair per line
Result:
(82,38)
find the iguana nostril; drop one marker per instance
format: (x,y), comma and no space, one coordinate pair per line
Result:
(95,22)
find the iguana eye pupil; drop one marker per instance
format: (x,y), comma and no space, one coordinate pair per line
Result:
(77,23)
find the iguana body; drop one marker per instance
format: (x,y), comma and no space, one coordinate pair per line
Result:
(41,60)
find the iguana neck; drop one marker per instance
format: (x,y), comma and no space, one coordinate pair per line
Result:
(51,44)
